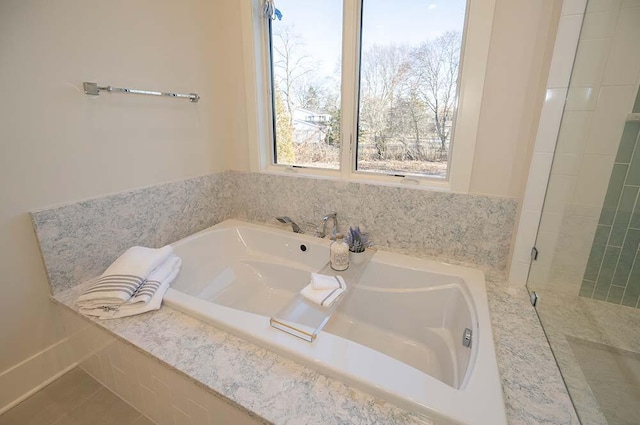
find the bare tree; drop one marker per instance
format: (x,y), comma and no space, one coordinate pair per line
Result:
(290,64)
(436,65)
(284,132)
(383,71)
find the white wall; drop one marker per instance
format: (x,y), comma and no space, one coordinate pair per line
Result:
(59,145)
(521,45)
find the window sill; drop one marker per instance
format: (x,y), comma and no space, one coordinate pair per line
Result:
(408,182)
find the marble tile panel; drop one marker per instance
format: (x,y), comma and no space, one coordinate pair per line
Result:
(472,229)
(523,353)
(79,240)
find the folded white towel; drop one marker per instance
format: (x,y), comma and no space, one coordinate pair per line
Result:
(149,296)
(166,271)
(123,278)
(324,297)
(125,310)
(322,281)
(145,291)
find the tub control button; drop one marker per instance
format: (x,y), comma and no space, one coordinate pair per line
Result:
(466,337)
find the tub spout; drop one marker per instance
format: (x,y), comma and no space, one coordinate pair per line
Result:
(287,220)
(334,218)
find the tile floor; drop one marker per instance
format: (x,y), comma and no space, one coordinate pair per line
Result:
(74,399)
(593,341)
(614,378)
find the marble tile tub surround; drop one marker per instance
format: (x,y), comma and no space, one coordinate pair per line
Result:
(255,379)
(258,382)
(79,240)
(469,229)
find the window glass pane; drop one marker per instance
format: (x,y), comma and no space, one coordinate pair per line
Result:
(306,46)
(408,85)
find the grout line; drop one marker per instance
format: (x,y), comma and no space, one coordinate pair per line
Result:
(635,205)
(635,262)
(128,403)
(615,269)
(626,176)
(610,232)
(606,245)
(88,398)
(65,414)
(624,240)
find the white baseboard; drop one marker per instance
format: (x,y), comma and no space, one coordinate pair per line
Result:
(23,379)
(32,374)
(35,389)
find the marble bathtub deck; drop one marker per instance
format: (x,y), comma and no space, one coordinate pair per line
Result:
(255,379)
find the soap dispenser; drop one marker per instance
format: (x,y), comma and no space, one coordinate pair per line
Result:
(339,253)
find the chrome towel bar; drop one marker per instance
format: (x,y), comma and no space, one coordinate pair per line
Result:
(94,89)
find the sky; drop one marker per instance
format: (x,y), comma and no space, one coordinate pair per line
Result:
(319,23)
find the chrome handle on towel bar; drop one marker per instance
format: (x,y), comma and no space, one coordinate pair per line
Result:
(94,90)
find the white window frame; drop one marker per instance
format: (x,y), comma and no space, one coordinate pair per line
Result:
(474,56)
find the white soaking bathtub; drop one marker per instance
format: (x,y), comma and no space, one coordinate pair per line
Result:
(397,334)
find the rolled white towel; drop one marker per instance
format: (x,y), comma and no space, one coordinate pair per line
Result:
(324,297)
(165,274)
(123,277)
(322,281)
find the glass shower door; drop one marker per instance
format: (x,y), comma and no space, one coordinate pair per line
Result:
(587,275)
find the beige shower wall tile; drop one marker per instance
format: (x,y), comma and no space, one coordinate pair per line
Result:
(600,24)
(623,66)
(614,103)
(593,180)
(573,132)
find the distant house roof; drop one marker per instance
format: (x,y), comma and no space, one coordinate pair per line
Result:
(310,116)
(307,125)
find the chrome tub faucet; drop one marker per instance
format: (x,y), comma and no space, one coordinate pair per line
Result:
(287,220)
(334,217)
